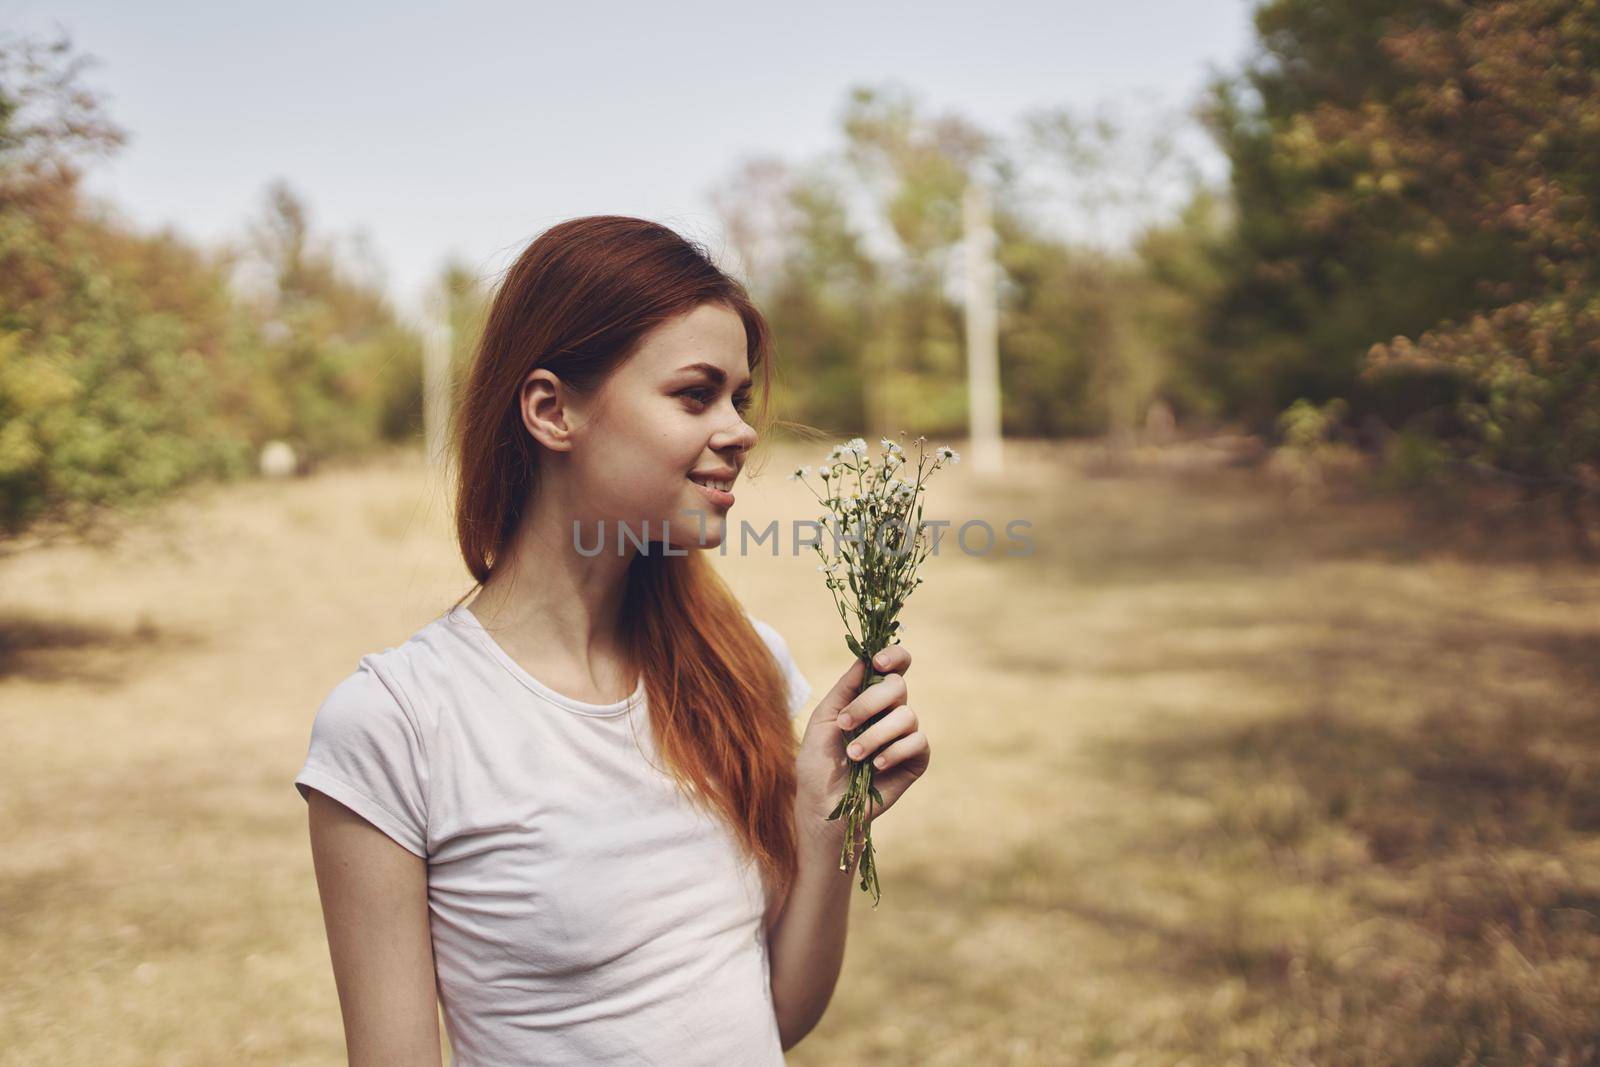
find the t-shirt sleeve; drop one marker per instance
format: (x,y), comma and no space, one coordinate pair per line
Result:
(799,689)
(367,753)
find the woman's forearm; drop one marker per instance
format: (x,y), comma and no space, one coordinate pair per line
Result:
(806,943)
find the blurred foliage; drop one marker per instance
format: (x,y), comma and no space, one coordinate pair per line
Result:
(1494,141)
(1311,447)
(1414,459)
(131,364)
(1304,292)
(1417,190)
(857,258)
(1408,228)
(327,341)
(466,298)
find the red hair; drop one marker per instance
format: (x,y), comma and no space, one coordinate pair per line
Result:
(577,302)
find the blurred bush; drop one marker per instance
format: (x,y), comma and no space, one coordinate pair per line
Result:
(131,364)
(1418,208)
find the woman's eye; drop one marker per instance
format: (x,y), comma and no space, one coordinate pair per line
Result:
(741,403)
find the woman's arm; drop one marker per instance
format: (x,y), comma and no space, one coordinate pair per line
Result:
(806,943)
(375,907)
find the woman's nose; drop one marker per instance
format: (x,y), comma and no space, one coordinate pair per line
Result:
(742,436)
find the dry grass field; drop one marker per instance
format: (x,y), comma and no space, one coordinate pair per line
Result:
(1216,780)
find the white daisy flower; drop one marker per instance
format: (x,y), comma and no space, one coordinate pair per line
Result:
(825,472)
(799,472)
(945,452)
(856,445)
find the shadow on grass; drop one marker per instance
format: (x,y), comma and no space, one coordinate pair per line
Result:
(1401,866)
(1453,854)
(1451,781)
(53,650)
(1149,526)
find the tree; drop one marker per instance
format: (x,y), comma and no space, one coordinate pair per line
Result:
(106,337)
(341,369)
(129,363)
(1493,141)
(1118,173)
(1304,291)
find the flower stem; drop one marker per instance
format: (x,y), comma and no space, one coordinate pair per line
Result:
(855,806)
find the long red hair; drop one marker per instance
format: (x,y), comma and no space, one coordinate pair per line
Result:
(577,302)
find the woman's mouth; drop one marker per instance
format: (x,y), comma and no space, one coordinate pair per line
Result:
(712,489)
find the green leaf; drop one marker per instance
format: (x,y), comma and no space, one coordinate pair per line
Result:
(855,646)
(838,808)
(877,797)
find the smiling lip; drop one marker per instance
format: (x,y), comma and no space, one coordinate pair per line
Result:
(717,496)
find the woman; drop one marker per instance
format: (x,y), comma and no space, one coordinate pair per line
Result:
(574,810)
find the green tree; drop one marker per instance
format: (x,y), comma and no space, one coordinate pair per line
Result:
(1305,290)
(339,370)
(1101,302)
(1492,141)
(130,364)
(107,339)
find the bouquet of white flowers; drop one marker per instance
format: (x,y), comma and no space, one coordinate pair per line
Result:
(878,542)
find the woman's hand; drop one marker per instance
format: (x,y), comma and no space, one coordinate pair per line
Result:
(823,764)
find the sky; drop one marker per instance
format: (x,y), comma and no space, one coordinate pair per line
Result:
(465,129)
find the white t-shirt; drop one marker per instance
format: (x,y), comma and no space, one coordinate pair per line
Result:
(583,911)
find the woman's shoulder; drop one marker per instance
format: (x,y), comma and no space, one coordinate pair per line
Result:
(772,636)
(769,633)
(398,678)
(799,689)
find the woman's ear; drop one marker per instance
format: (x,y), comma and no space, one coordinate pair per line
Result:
(547,410)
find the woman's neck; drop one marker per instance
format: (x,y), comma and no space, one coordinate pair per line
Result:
(557,612)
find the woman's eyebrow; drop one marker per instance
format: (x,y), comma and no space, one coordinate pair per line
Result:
(714,372)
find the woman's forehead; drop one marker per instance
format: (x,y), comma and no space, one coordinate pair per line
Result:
(710,335)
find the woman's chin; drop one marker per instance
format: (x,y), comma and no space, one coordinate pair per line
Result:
(706,532)
(712,538)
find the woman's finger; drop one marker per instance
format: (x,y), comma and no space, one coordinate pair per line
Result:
(843,691)
(902,720)
(849,684)
(879,696)
(893,658)
(912,745)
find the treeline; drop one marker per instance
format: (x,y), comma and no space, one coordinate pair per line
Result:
(1401,260)
(132,363)
(1415,249)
